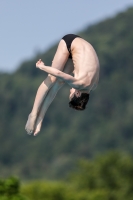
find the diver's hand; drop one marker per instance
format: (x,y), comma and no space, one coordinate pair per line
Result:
(39,64)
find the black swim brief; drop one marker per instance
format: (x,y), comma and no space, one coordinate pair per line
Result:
(68,40)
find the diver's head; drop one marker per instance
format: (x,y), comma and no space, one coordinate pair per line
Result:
(78,100)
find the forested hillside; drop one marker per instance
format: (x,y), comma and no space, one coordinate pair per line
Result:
(69,135)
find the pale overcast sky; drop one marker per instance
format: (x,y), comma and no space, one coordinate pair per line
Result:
(28,26)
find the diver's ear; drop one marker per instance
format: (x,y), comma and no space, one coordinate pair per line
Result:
(78,93)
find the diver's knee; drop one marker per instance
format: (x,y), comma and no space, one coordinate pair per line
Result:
(52,78)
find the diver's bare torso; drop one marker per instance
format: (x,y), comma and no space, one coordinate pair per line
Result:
(86,64)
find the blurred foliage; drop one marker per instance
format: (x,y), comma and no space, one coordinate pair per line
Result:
(9,189)
(68,135)
(107,177)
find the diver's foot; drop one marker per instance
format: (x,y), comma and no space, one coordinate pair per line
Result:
(30,123)
(38,126)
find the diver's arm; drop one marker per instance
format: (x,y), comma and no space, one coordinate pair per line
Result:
(70,80)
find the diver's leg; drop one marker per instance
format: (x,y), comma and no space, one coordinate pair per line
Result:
(59,62)
(41,94)
(47,101)
(51,95)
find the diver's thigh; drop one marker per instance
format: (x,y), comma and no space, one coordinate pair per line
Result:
(61,56)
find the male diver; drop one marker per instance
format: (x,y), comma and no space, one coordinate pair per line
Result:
(76,64)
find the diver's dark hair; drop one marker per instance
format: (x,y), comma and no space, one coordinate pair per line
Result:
(79,103)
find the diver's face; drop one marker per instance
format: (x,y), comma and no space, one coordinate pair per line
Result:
(73,92)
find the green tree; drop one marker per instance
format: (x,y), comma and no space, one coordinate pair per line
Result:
(10,189)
